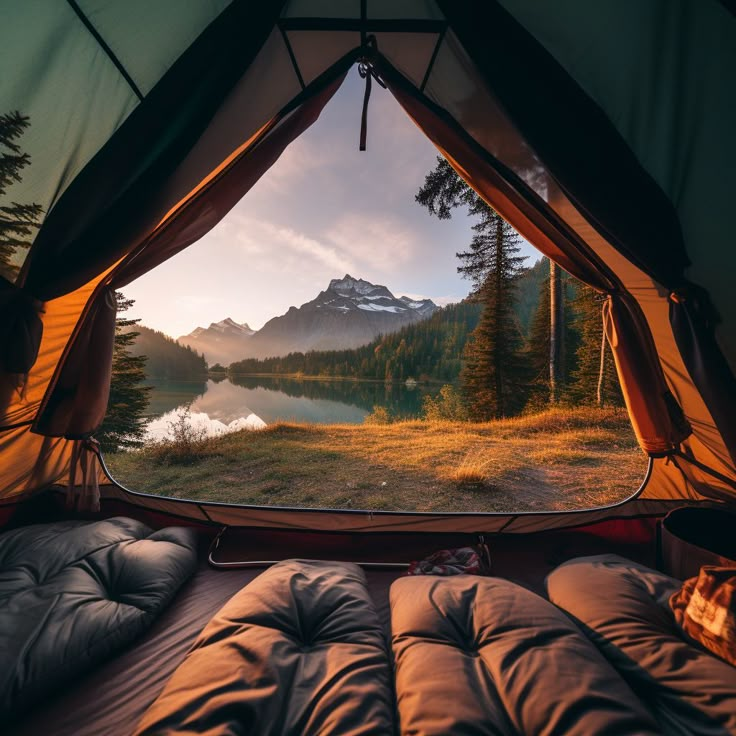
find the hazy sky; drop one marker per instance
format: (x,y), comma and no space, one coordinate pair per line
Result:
(323,210)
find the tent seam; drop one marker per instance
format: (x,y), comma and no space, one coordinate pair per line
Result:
(106,48)
(290,50)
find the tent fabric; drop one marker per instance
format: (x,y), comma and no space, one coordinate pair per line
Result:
(573,137)
(100,216)
(666,91)
(151,106)
(676,117)
(76,404)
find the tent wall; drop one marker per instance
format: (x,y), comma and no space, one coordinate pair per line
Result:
(667,89)
(54,69)
(76,401)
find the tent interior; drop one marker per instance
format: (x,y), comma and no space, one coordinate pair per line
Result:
(602,132)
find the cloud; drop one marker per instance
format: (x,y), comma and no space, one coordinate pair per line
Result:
(306,158)
(380,242)
(303,245)
(258,238)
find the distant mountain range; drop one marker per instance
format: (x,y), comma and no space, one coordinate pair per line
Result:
(347,314)
(221,342)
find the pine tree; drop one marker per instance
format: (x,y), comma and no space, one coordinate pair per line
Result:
(123,425)
(494,373)
(494,376)
(17,221)
(595,380)
(556,332)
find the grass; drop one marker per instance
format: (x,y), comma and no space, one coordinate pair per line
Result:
(559,459)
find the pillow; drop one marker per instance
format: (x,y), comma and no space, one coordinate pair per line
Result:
(705,609)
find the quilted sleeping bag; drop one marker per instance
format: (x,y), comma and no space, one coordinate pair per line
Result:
(73,593)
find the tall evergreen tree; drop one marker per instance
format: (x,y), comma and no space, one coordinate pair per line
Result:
(595,380)
(123,424)
(494,373)
(17,221)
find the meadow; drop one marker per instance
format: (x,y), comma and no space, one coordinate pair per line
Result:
(554,460)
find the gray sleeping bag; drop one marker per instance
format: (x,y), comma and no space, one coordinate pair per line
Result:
(73,593)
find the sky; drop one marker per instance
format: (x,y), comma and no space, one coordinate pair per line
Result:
(324,210)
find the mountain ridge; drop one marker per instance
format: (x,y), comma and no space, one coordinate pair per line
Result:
(347,314)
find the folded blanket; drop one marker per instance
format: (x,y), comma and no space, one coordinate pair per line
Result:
(453,562)
(705,609)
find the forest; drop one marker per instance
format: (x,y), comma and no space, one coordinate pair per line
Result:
(435,349)
(427,350)
(165,357)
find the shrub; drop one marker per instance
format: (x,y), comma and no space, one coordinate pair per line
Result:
(186,444)
(379,415)
(448,405)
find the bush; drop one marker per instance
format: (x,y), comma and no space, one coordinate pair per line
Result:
(448,405)
(186,444)
(379,415)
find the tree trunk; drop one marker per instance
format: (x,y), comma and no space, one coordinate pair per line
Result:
(555,331)
(498,368)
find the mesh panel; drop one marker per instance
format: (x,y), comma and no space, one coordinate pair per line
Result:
(315,51)
(410,53)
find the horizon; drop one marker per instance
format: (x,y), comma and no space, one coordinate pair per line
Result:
(324,209)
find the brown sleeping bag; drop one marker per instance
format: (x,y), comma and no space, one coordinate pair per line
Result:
(300,650)
(484,656)
(623,607)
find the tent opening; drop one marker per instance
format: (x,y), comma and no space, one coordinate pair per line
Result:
(332,344)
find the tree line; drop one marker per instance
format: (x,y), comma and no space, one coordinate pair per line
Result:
(565,357)
(423,351)
(166,358)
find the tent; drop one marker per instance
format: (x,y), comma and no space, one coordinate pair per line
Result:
(603,132)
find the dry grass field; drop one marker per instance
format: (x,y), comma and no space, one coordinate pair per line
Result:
(559,459)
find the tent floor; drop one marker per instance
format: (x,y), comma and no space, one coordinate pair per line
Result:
(112,699)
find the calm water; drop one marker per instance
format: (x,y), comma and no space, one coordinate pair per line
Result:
(253,402)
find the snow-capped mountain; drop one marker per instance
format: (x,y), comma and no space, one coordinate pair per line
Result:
(221,342)
(347,314)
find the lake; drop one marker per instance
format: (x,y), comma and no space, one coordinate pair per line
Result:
(251,402)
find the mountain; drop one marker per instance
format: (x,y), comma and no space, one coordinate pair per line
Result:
(166,358)
(221,342)
(347,314)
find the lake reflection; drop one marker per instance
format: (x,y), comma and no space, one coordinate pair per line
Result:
(254,402)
